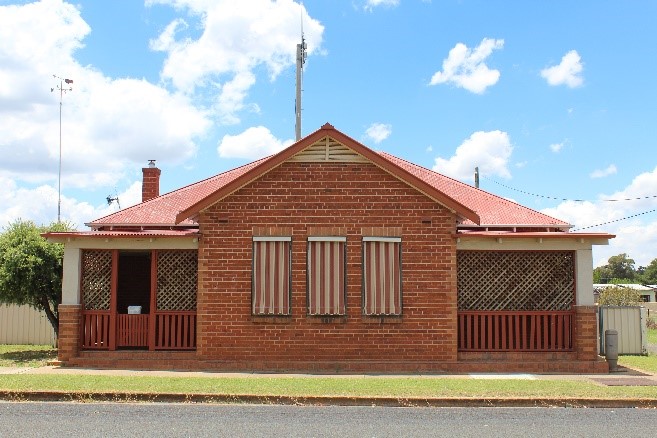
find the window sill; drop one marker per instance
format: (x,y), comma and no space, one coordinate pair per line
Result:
(382,319)
(326,319)
(271,319)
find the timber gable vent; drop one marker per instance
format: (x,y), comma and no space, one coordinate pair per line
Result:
(330,150)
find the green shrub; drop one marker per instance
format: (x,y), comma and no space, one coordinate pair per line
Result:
(619,296)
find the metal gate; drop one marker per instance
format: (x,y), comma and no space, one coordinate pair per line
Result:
(630,322)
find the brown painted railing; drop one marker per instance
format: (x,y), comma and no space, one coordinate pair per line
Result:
(132,330)
(95,333)
(175,330)
(515,331)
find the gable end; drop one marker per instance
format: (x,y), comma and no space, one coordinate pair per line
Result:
(328,150)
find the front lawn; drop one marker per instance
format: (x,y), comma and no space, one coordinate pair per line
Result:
(373,386)
(646,363)
(26,355)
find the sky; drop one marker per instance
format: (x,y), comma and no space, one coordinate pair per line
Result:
(553,101)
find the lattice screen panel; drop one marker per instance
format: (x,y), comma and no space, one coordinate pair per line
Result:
(96,279)
(176,280)
(516,280)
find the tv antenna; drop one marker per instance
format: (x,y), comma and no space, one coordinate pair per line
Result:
(301,60)
(110,200)
(62,90)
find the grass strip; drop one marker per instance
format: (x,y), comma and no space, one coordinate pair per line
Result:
(400,387)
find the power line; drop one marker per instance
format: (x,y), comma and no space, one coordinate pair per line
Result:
(615,220)
(566,199)
(584,200)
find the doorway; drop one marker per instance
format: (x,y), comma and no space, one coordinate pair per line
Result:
(134,282)
(133,298)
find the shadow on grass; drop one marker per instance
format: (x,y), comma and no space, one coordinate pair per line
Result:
(27,357)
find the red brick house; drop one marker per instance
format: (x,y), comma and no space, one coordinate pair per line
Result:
(329,256)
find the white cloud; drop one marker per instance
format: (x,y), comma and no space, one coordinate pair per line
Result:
(490,151)
(256,142)
(39,204)
(236,38)
(378,132)
(371,4)
(568,72)
(556,147)
(466,67)
(601,173)
(232,97)
(636,236)
(107,125)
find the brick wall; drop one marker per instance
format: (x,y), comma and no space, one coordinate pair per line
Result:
(68,342)
(305,199)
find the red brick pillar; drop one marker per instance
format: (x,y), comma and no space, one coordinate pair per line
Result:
(586,332)
(69,331)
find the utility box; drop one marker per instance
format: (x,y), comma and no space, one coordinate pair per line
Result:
(611,349)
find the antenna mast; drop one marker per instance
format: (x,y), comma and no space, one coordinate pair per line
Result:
(62,90)
(301,60)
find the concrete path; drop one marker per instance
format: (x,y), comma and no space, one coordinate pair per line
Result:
(623,375)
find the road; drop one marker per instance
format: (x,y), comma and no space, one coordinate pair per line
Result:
(206,420)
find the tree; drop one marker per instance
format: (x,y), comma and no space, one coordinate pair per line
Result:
(619,296)
(619,268)
(649,275)
(31,268)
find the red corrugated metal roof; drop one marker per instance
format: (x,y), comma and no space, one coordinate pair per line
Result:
(534,234)
(327,130)
(491,210)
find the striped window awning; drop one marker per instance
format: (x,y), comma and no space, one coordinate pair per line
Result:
(271,275)
(326,275)
(382,283)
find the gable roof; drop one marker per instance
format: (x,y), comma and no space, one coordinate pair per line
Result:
(473,206)
(328,130)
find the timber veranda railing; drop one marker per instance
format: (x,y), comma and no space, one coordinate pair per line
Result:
(174,330)
(171,327)
(516,301)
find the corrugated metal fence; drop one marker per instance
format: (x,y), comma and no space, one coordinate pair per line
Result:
(630,322)
(24,325)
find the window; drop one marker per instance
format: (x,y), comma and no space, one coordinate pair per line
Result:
(382,276)
(271,275)
(326,275)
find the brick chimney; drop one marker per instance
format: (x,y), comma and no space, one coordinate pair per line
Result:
(150,187)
